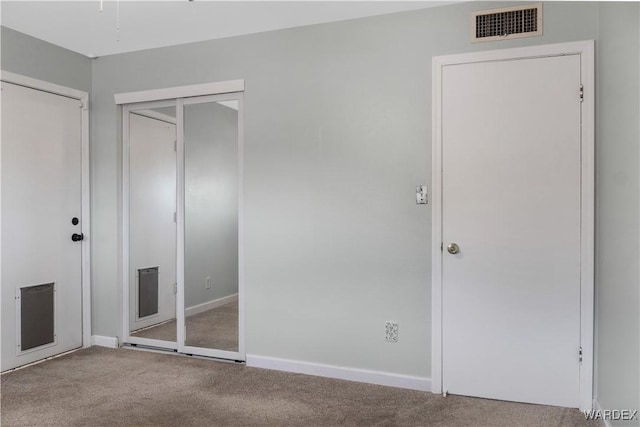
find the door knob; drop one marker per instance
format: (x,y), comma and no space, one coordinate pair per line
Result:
(453,248)
(77,237)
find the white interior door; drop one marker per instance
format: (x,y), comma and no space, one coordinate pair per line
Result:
(511,169)
(41,194)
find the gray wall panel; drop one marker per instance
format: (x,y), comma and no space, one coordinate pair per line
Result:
(211,202)
(617,201)
(31,57)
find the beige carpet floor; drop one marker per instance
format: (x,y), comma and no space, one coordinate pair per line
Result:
(216,328)
(108,387)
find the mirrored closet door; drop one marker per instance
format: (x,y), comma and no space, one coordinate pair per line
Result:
(152,224)
(182,228)
(211,212)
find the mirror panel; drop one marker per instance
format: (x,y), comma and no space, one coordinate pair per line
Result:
(152,226)
(211,225)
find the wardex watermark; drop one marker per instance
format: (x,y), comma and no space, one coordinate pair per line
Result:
(612,414)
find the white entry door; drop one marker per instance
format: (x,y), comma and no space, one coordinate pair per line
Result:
(41,196)
(511,202)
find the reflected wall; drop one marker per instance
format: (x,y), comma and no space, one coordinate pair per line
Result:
(211,224)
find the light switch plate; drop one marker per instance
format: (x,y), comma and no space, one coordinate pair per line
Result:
(421,195)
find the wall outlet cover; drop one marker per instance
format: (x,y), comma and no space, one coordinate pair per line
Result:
(391,331)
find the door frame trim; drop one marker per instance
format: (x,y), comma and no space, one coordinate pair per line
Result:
(586,51)
(83,97)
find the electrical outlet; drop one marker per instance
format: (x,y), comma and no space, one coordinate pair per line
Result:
(207,282)
(391,331)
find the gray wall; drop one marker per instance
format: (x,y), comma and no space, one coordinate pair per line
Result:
(211,202)
(31,57)
(337,137)
(617,200)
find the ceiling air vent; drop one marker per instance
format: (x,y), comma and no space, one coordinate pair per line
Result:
(507,23)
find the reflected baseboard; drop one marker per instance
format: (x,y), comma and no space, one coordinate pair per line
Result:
(102,341)
(205,306)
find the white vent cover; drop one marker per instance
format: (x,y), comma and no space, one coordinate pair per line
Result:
(507,23)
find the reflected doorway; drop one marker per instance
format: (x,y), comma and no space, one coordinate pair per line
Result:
(152,223)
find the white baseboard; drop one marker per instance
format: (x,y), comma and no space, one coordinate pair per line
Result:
(597,407)
(102,341)
(200,308)
(338,372)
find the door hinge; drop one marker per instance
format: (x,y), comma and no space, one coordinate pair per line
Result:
(175,288)
(580,355)
(441,246)
(175,146)
(581,93)
(175,217)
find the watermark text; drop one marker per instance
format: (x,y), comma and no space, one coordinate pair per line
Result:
(612,414)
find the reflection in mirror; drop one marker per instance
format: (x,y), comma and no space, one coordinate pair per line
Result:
(211,225)
(152,228)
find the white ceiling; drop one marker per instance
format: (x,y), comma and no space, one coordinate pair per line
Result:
(80,26)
